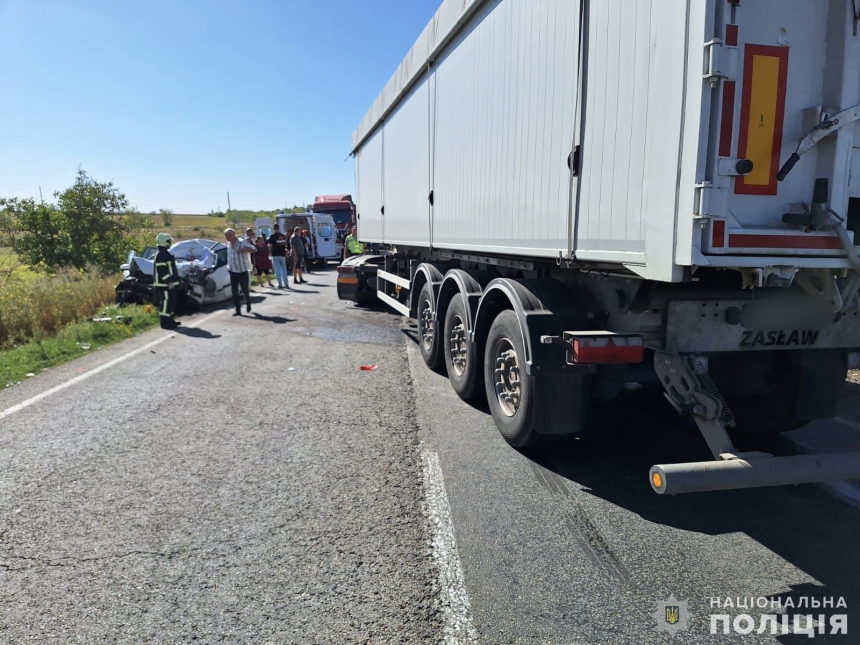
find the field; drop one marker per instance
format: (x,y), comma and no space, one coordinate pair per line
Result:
(186,227)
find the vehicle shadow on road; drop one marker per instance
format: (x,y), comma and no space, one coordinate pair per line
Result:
(196,332)
(278,320)
(804,525)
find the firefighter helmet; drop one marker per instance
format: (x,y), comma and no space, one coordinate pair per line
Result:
(164,240)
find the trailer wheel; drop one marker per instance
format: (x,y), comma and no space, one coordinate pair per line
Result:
(461,357)
(508,386)
(428,338)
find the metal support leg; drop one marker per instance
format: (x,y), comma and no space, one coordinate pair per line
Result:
(691,391)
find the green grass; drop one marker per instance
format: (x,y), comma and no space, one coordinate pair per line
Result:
(74,340)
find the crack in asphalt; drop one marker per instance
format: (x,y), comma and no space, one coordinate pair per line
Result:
(71,561)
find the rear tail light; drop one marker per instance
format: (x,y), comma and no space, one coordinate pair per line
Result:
(603,347)
(347,275)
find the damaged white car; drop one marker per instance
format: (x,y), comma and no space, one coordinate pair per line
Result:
(202,268)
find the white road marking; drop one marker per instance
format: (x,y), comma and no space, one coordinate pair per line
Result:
(101,368)
(457,624)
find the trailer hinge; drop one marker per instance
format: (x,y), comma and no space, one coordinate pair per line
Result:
(702,203)
(709,201)
(722,62)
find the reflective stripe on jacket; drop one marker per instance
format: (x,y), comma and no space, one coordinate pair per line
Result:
(164,271)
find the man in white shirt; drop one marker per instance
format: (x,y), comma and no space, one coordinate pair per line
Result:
(239,266)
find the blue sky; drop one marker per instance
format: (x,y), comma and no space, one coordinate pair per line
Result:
(178,102)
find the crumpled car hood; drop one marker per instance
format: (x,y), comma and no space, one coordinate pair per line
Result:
(189,254)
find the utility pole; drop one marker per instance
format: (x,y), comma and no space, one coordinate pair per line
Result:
(228,210)
(41,199)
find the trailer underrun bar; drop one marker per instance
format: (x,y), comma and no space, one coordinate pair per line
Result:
(753,470)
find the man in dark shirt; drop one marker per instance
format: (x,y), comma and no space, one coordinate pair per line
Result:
(297,245)
(278,248)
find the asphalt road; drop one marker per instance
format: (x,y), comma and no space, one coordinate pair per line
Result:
(200,490)
(236,483)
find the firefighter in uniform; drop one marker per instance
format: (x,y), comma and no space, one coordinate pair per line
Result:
(166,282)
(351,245)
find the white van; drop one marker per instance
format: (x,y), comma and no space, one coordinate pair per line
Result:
(263,226)
(323,234)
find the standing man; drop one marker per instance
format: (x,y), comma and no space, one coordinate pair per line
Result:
(351,245)
(251,239)
(239,266)
(165,280)
(297,244)
(278,249)
(306,238)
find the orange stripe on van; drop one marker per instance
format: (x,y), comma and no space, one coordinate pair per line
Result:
(762,114)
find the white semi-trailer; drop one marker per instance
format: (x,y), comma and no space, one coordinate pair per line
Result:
(572,194)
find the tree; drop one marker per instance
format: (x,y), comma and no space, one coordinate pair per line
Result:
(135,220)
(166,217)
(8,261)
(84,227)
(43,233)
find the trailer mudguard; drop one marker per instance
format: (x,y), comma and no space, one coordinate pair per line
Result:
(471,285)
(424,274)
(543,308)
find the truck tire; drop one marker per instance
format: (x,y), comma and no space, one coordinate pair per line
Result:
(428,338)
(508,386)
(462,358)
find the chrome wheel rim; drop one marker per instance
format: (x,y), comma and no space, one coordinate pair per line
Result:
(457,345)
(506,377)
(426,326)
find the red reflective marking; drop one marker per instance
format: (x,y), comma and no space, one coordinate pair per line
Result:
(607,354)
(743,241)
(719,234)
(732,35)
(727,120)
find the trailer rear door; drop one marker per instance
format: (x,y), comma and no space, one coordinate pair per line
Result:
(782,68)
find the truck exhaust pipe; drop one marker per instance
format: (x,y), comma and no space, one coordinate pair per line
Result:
(755,470)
